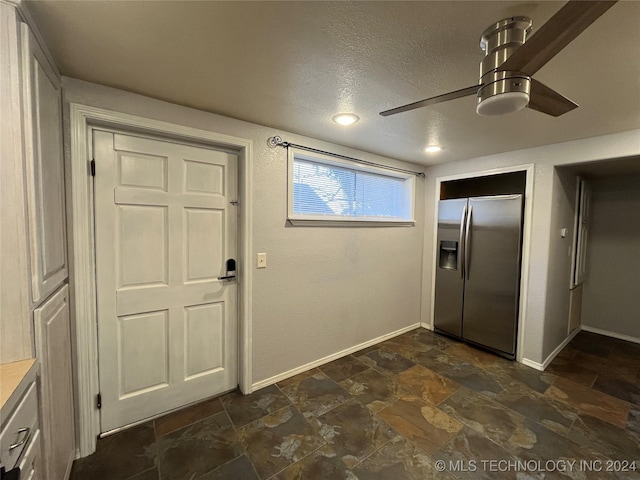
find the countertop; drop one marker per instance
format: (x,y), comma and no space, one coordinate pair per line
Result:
(12,375)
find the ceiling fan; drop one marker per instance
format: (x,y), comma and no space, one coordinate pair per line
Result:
(511,59)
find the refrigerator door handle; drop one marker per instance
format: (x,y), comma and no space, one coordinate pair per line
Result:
(461,242)
(467,246)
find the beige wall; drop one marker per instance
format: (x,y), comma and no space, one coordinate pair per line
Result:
(546,307)
(611,295)
(325,289)
(328,289)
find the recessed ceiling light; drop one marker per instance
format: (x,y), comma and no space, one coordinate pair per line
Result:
(346,118)
(433,149)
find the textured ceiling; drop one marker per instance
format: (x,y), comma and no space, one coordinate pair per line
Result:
(293,65)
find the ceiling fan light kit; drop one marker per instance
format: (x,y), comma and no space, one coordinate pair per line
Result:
(502,92)
(506,84)
(502,103)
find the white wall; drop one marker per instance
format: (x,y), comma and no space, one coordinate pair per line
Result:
(544,309)
(563,200)
(325,288)
(611,295)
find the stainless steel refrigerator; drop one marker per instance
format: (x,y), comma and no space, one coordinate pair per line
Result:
(478,270)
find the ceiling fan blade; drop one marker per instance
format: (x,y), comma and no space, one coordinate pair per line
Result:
(569,22)
(546,100)
(433,100)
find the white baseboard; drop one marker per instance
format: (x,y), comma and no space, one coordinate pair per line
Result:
(619,336)
(559,348)
(542,366)
(316,363)
(428,326)
(532,364)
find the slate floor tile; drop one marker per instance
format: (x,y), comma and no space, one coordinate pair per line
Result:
(316,395)
(343,368)
(122,455)
(427,337)
(244,409)
(399,460)
(299,377)
(601,405)
(553,414)
(611,367)
(387,362)
(435,359)
(354,432)
(397,408)
(373,389)
(534,379)
(472,377)
(471,355)
(574,372)
(405,345)
(367,350)
(322,464)
(489,418)
(199,448)
(533,442)
(614,442)
(619,388)
(240,468)
(187,416)
(469,453)
(278,440)
(151,474)
(427,384)
(422,423)
(633,420)
(591,343)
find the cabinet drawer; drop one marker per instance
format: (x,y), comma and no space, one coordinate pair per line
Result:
(19,429)
(29,465)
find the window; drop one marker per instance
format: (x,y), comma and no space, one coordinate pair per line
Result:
(324,190)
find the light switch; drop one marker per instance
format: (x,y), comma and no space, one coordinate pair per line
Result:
(563,232)
(262,260)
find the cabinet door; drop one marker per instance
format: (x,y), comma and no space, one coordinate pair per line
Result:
(53,349)
(44,168)
(15,324)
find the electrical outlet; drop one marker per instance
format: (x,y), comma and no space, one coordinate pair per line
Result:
(262,260)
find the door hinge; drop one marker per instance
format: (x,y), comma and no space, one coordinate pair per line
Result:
(93,168)
(234,202)
(99,401)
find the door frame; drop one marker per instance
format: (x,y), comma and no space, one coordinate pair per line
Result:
(526,243)
(82,120)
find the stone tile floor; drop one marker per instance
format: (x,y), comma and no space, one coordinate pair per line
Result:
(395,411)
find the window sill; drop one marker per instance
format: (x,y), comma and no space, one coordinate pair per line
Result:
(307,222)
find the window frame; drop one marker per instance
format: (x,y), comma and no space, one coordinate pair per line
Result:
(344,220)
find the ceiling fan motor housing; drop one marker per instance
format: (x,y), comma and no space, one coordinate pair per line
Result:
(503,91)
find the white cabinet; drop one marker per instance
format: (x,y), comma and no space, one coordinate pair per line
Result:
(15,320)
(53,347)
(30,468)
(20,439)
(34,305)
(44,169)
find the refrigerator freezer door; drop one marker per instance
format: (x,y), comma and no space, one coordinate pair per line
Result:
(449,273)
(493,272)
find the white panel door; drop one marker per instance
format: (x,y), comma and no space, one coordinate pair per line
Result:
(167,324)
